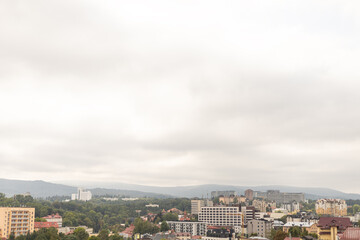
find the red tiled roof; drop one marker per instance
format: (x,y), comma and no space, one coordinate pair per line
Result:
(45,225)
(52,216)
(129,230)
(351,234)
(340,222)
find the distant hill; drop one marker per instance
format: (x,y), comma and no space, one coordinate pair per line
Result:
(37,188)
(42,189)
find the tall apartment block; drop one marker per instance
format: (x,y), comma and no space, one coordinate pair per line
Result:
(249,194)
(196,205)
(334,207)
(221,216)
(18,221)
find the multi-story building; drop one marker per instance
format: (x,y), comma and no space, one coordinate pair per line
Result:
(221,216)
(330,227)
(334,207)
(81,195)
(196,206)
(291,207)
(249,213)
(54,218)
(228,193)
(18,221)
(231,199)
(249,194)
(260,205)
(260,227)
(194,228)
(280,197)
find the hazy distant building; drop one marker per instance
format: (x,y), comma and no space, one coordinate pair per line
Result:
(334,207)
(249,194)
(228,193)
(81,195)
(231,199)
(280,197)
(291,207)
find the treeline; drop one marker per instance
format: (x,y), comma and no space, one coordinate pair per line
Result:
(78,234)
(97,213)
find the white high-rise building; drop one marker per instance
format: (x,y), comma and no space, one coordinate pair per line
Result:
(221,216)
(81,195)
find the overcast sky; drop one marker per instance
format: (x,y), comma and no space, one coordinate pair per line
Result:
(181,92)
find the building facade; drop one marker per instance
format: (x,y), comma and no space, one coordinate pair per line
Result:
(260,227)
(196,206)
(221,216)
(56,218)
(330,227)
(81,195)
(231,199)
(334,207)
(18,221)
(194,228)
(215,194)
(249,194)
(283,197)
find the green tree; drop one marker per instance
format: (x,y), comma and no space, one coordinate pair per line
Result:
(94,238)
(116,236)
(103,234)
(40,219)
(295,231)
(164,226)
(81,234)
(283,219)
(170,217)
(280,235)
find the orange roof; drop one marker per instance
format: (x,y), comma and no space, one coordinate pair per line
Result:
(45,225)
(52,216)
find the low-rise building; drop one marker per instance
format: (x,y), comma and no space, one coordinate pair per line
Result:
(40,225)
(309,227)
(54,218)
(330,227)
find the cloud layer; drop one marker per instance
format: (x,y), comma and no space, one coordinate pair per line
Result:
(181,92)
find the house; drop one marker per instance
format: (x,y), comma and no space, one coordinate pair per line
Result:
(330,227)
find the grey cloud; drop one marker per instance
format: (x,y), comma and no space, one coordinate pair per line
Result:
(250,93)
